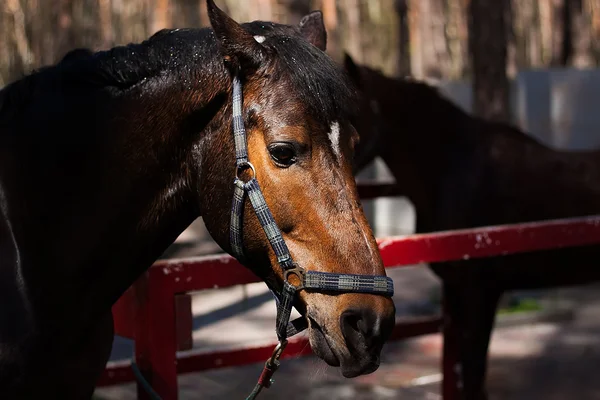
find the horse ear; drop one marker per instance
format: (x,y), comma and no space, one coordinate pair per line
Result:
(312,29)
(352,70)
(240,49)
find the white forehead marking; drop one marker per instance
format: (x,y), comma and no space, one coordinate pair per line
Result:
(334,136)
(259,39)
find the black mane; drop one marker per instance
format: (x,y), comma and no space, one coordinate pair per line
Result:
(120,68)
(178,53)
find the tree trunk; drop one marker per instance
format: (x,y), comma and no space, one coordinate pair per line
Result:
(351,40)
(581,33)
(561,33)
(404,38)
(106,25)
(457,38)
(161,15)
(295,10)
(186,13)
(488,50)
(15,11)
(431,56)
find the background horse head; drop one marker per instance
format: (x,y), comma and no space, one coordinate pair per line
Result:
(105,158)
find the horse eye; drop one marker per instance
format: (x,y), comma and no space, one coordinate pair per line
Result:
(283,154)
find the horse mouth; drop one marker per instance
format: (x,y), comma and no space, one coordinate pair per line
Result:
(320,344)
(352,365)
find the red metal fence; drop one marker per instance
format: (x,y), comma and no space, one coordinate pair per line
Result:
(156,310)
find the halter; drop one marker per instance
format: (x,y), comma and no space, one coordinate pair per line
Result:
(309,280)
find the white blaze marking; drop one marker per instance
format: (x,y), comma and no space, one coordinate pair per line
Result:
(259,39)
(334,136)
(366,237)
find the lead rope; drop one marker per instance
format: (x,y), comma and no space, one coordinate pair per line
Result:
(145,384)
(271,366)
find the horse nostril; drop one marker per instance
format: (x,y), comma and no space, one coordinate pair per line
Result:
(361,328)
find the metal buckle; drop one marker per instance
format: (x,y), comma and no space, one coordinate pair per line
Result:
(274,360)
(297,271)
(244,166)
(272,365)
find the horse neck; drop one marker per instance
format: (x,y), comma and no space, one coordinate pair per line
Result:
(113,206)
(426,133)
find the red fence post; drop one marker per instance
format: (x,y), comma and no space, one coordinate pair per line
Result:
(156,338)
(141,336)
(157,334)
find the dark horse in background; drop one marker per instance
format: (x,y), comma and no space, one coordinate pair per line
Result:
(105,158)
(459,172)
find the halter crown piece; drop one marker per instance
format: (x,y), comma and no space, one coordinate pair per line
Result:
(309,280)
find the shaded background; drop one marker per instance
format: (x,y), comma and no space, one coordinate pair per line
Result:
(490,41)
(532,62)
(425,38)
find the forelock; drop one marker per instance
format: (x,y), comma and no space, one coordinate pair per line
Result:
(315,79)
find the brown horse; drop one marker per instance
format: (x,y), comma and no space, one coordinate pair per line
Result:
(462,172)
(132,144)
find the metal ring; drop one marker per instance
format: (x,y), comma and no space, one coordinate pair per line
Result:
(277,351)
(243,166)
(298,272)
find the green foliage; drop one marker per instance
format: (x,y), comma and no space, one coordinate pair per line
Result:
(522,305)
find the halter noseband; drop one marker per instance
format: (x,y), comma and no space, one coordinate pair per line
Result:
(309,280)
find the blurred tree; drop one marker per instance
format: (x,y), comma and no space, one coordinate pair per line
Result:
(330,17)
(561,33)
(581,34)
(187,13)
(438,38)
(22,55)
(456,33)
(488,51)
(425,38)
(105,23)
(295,10)
(350,14)
(429,50)
(366,29)
(161,15)
(404,38)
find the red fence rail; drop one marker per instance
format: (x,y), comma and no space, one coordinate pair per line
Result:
(161,323)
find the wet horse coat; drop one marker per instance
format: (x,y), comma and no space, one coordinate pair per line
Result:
(105,158)
(459,172)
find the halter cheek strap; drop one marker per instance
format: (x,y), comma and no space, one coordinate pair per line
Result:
(309,280)
(251,189)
